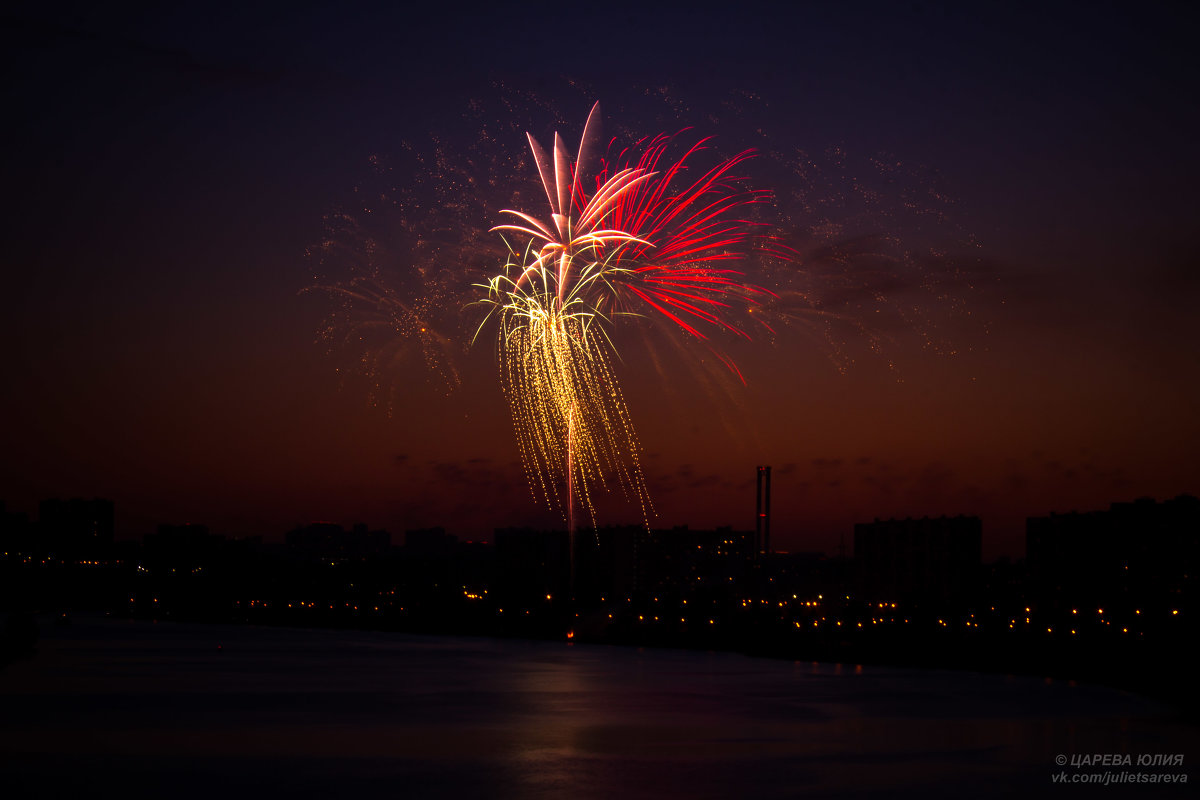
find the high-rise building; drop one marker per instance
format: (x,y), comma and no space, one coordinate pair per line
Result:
(328,540)
(76,528)
(1143,549)
(532,564)
(923,560)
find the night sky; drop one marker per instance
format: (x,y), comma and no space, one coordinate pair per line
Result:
(169,174)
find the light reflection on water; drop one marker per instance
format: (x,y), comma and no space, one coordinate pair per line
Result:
(321,713)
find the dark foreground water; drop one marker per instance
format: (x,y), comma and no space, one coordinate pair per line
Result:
(116,708)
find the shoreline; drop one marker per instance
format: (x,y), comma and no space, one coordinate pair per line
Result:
(1128,674)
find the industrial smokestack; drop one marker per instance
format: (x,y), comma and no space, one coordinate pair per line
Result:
(762,517)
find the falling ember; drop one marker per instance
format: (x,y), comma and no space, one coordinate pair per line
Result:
(646,241)
(401,256)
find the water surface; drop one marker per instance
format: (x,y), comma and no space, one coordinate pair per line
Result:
(184,711)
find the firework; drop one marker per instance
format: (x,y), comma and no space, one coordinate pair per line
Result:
(644,239)
(640,245)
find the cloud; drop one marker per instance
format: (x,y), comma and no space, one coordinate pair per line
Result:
(935,475)
(881,483)
(1016,481)
(685,477)
(707,480)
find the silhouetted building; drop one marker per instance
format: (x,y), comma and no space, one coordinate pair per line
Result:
(429,543)
(680,559)
(614,569)
(532,564)
(617,562)
(329,541)
(181,546)
(14,531)
(607,561)
(1141,549)
(918,560)
(76,528)
(808,574)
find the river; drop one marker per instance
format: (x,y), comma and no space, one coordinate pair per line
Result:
(182,711)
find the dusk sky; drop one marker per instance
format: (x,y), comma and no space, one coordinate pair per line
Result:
(1014,331)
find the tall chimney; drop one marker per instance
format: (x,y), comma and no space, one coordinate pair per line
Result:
(762,516)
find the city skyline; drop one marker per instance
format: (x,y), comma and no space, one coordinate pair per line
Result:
(1104,595)
(170,173)
(80,519)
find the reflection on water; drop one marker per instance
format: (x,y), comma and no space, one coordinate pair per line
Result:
(190,711)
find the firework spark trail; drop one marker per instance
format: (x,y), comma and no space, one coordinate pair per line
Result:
(572,422)
(637,245)
(853,254)
(870,249)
